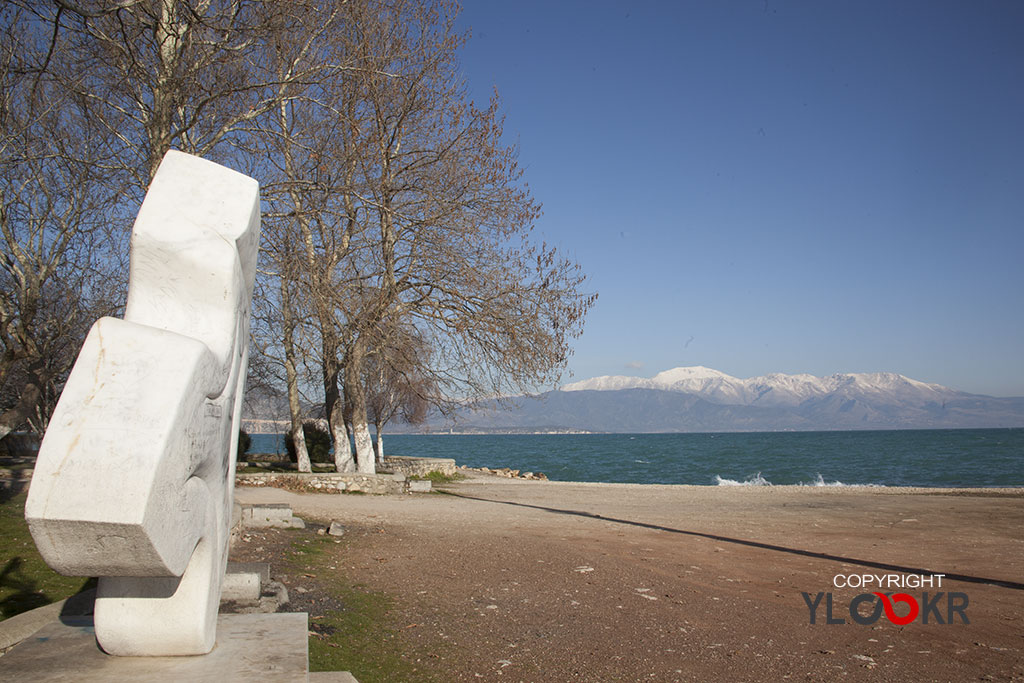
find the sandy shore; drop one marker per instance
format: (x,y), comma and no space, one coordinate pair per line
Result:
(560,581)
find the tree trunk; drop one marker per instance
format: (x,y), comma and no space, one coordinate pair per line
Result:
(380,447)
(170,34)
(343,460)
(298,436)
(292,380)
(355,399)
(365,462)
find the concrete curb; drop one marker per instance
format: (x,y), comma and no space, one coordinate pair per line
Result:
(22,626)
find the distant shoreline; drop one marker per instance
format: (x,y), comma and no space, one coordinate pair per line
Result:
(581,432)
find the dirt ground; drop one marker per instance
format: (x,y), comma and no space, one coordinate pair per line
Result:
(548,581)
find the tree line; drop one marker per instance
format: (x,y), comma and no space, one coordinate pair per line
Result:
(398,271)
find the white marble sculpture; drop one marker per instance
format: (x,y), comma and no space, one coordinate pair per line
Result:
(135,476)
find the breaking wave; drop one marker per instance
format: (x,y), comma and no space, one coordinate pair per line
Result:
(759,480)
(756,480)
(820,481)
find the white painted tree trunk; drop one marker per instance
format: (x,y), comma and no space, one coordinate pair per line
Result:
(343,460)
(365,462)
(298,438)
(355,399)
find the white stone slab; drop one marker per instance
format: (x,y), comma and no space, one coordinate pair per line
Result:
(271,648)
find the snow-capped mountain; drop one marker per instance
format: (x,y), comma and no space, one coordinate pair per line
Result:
(775,389)
(701,399)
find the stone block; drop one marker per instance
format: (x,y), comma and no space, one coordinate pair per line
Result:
(336,529)
(271,515)
(261,568)
(419,486)
(241,587)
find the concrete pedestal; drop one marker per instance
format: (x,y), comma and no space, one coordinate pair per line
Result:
(250,647)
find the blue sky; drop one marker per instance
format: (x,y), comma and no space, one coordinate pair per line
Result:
(775,186)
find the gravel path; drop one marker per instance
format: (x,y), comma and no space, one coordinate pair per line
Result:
(554,581)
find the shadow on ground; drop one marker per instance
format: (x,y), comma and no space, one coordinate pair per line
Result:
(1014,585)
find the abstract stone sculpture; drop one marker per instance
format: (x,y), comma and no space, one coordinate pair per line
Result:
(135,476)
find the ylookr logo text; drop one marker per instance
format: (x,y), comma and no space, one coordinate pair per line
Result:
(900,609)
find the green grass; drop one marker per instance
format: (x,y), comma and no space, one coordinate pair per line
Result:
(356,638)
(25,580)
(276,468)
(360,637)
(437,477)
(309,547)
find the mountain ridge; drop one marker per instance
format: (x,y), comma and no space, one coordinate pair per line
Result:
(700,399)
(770,389)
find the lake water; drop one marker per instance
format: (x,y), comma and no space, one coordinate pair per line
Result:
(962,457)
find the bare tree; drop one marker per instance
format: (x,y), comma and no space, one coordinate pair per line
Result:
(149,75)
(395,384)
(450,221)
(164,74)
(392,202)
(308,175)
(58,256)
(94,94)
(289,323)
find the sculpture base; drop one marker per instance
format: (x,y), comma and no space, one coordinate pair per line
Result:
(250,647)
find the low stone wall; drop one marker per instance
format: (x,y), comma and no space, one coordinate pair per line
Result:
(266,457)
(419,467)
(328,482)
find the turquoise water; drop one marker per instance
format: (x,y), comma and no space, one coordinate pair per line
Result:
(962,457)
